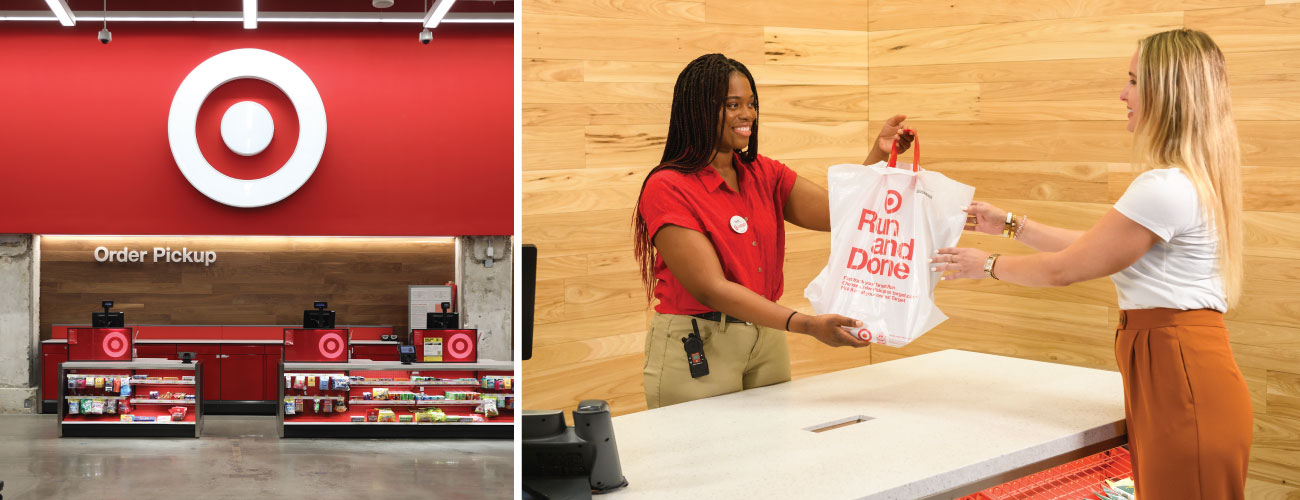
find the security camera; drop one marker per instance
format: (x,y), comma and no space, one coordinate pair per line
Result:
(105,36)
(426,36)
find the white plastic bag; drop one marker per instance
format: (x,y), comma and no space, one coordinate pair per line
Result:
(886,224)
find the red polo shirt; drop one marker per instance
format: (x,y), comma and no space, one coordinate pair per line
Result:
(703,202)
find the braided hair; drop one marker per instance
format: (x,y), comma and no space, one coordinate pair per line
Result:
(693,135)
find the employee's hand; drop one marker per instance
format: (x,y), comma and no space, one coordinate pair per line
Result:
(831,329)
(963,263)
(985,218)
(893,129)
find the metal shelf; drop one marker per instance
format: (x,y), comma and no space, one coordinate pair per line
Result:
(119,422)
(162,401)
(398,423)
(408,402)
(408,383)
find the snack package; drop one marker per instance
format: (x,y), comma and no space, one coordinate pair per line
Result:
(288,406)
(81,383)
(380,393)
(126,387)
(340,408)
(124,418)
(315,405)
(387,415)
(311,381)
(110,406)
(328,406)
(164,418)
(358,418)
(138,418)
(299,406)
(372,415)
(72,383)
(85,406)
(124,406)
(288,381)
(166,396)
(406,418)
(153,394)
(97,407)
(117,385)
(366,396)
(340,383)
(99,382)
(178,413)
(300,382)
(74,407)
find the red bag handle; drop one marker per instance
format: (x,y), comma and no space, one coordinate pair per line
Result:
(916,151)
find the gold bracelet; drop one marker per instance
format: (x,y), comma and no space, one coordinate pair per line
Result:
(989,263)
(1020,227)
(1007,225)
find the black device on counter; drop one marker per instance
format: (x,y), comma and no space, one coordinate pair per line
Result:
(571,462)
(694,345)
(407,354)
(107,319)
(529,285)
(186,357)
(442,320)
(319,317)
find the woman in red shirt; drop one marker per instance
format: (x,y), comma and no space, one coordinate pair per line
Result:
(710,240)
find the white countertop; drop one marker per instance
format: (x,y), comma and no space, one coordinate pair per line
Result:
(137,364)
(940,421)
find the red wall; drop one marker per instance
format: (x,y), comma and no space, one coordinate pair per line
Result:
(420,137)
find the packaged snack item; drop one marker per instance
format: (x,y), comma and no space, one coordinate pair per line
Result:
(406,418)
(288,381)
(74,407)
(110,406)
(164,418)
(311,381)
(124,418)
(117,385)
(328,406)
(139,418)
(315,405)
(178,413)
(189,379)
(341,384)
(366,396)
(166,395)
(124,406)
(300,382)
(126,387)
(288,406)
(340,408)
(72,383)
(324,383)
(380,393)
(86,405)
(358,418)
(490,408)
(387,415)
(153,394)
(372,415)
(299,406)
(99,382)
(81,383)
(97,407)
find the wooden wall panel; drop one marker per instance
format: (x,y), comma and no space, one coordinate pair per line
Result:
(255,280)
(1019,99)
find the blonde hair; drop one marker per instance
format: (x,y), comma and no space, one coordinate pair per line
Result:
(1186,122)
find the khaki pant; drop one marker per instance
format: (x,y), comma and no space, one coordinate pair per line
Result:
(1188,409)
(740,356)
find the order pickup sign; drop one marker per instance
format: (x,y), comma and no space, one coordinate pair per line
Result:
(886,224)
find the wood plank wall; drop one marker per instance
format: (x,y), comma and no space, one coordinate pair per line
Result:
(255,280)
(1019,99)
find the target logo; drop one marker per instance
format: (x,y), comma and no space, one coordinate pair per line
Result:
(893,201)
(247,127)
(115,345)
(331,345)
(460,347)
(864,334)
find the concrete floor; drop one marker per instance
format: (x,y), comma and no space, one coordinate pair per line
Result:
(241,457)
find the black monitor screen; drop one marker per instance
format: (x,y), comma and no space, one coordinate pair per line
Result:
(107,320)
(312,318)
(529,285)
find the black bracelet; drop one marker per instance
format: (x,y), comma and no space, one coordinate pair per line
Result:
(787,319)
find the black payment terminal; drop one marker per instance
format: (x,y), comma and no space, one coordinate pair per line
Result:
(695,352)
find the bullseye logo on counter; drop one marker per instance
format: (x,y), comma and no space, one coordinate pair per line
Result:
(247,127)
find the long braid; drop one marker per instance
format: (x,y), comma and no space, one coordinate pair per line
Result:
(693,135)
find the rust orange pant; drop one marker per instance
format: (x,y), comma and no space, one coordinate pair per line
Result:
(1187,406)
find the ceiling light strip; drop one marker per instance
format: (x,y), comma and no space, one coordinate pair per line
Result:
(62,12)
(250,14)
(288,17)
(437,13)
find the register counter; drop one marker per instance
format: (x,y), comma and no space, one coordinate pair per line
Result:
(940,425)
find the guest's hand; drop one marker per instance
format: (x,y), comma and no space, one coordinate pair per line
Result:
(985,218)
(963,263)
(895,128)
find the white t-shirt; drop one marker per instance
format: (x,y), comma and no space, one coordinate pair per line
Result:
(1181,271)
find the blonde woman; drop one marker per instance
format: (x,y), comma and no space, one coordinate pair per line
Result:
(1173,246)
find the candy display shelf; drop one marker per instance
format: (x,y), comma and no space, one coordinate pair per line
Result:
(140,398)
(387,399)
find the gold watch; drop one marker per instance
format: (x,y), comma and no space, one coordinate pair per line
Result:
(988,265)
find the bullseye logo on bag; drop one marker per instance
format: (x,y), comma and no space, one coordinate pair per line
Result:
(893,201)
(246,127)
(864,334)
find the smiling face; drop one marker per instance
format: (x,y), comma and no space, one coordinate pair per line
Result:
(737,116)
(1130,94)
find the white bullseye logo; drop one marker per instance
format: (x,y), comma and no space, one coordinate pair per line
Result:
(460,345)
(115,344)
(331,345)
(247,127)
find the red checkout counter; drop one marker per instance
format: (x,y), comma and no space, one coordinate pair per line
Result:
(240,362)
